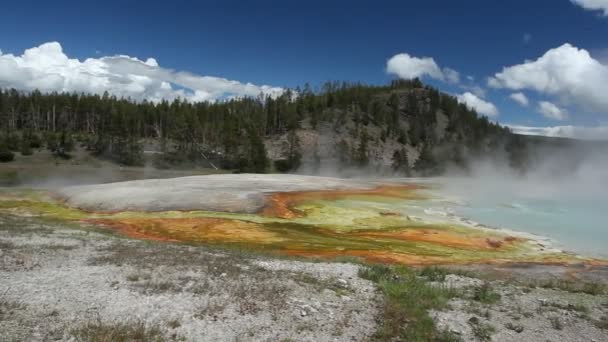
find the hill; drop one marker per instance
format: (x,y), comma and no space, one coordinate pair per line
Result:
(404,127)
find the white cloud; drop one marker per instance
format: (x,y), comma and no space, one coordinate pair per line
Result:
(48,69)
(520,98)
(567,72)
(409,67)
(478,104)
(576,132)
(593,5)
(551,111)
(451,75)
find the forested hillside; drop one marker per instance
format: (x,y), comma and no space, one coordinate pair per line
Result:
(403,127)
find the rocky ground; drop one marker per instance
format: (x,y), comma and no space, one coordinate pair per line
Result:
(58,283)
(503,311)
(79,284)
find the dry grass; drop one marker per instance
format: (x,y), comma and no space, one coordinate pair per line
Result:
(97,331)
(8,308)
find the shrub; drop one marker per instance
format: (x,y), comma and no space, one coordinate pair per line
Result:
(12,142)
(6,156)
(35,141)
(26,149)
(282,165)
(51,141)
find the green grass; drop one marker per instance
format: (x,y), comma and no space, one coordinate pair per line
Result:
(434,273)
(568,307)
(408,299)
(485,294)
(592,288)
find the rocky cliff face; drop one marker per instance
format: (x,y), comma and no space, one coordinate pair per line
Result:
(327,142)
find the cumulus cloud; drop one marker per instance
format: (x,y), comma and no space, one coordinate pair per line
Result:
(593,5)
(47,68)
(551,111)
(567,72)
(520,98)
(408,67)
(480,105)
(569,131)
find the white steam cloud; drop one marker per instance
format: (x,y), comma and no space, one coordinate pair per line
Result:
(47,68)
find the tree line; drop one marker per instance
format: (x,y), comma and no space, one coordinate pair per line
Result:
(230,133)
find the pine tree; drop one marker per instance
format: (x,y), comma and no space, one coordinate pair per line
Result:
(362,153)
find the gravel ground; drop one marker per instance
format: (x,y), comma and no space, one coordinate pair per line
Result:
(522,313)
(55,280)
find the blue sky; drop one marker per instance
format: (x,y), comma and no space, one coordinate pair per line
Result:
(288,43)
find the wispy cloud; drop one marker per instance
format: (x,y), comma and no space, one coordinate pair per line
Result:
(593,5)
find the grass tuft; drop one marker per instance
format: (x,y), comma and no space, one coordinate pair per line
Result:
(97,331)
(8,308)
(482,331)
(408,300)
(485,294)
(556,323)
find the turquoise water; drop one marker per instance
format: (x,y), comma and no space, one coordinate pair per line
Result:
(574,216)
(577,225)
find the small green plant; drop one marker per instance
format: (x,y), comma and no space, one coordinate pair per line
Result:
(434,273)
(408,299)
(485,294)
